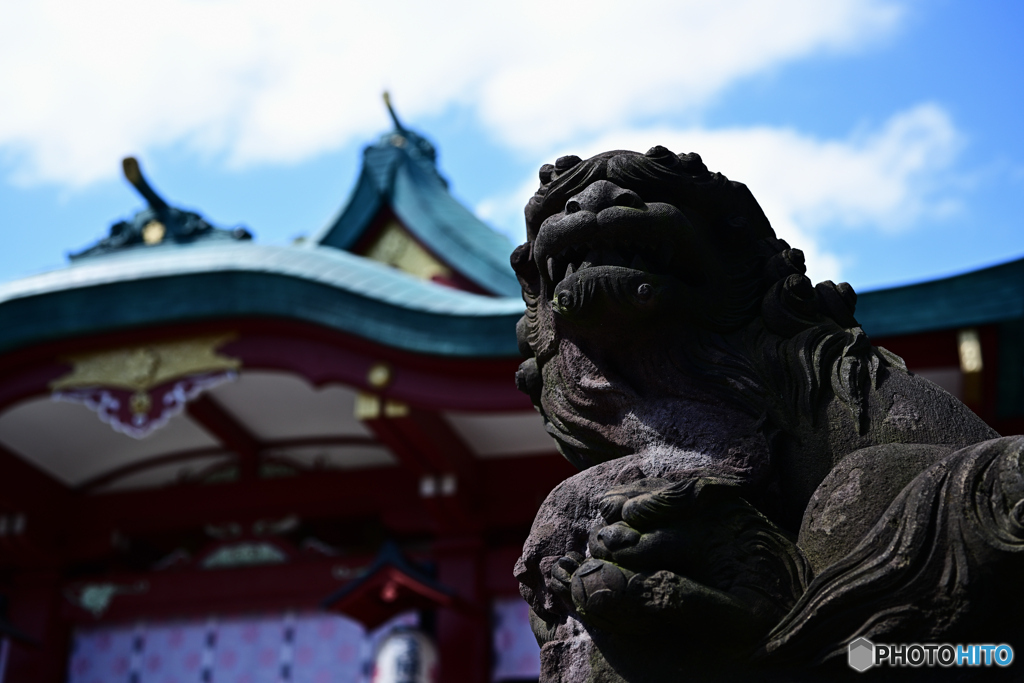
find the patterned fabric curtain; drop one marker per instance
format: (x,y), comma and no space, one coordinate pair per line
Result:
(277,648)
(296,648)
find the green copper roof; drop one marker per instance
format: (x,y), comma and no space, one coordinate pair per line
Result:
(977,298)
(220,280)
(400,172)
(217,281)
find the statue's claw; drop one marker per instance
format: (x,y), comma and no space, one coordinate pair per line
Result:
(560,578)
(611,504)
(617,536)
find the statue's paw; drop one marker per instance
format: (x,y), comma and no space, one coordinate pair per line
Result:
(559,580)
(652,502)
(612,538)
(598,589)
(671,547)
(622,544)
(615,500)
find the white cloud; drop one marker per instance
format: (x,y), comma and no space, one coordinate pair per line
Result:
(251,81)
(885,178)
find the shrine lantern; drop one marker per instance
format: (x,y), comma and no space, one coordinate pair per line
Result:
(406,656)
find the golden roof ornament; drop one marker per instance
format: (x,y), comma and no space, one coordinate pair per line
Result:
(138,389)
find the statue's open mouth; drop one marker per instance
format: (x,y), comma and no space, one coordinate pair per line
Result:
(621,241)
(621,260)
(627,256)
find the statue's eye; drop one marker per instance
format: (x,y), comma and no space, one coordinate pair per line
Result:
(572,206)
(564,299)
(644,292)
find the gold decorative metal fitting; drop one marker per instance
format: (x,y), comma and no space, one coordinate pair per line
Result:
(395,409)
(367,406)
(396,247)
(140,403)
(153,232)
(372,407)
(140,368)
(379,375)
(969,347)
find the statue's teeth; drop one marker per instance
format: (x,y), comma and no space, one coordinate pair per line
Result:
(569,271)
(585,264)
(551,268)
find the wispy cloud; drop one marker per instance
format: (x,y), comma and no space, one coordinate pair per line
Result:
(886,178)
(256,81)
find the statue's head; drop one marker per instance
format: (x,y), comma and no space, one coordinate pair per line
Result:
(643,274)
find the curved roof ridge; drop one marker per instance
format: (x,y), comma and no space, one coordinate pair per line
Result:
(223,282)
(326,266)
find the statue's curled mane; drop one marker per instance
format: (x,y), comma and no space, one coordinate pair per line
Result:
(759,334)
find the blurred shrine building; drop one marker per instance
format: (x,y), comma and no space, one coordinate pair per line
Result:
(964,333)
(226,461)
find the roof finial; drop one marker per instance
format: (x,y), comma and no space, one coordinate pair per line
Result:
(391,110)
(134,175)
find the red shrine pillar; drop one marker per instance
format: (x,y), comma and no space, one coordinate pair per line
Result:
(463,636)
(35,609)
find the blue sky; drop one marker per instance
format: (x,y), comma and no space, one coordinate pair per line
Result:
(881,136)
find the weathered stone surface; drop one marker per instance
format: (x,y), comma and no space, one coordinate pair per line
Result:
(759,485)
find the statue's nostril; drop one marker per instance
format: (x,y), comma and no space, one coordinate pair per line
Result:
(565,299)
(629,199)
(603,194)
(644,292)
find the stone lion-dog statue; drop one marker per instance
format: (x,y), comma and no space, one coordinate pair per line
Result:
(759,485)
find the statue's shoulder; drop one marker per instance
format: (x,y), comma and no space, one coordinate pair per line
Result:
(907,408)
